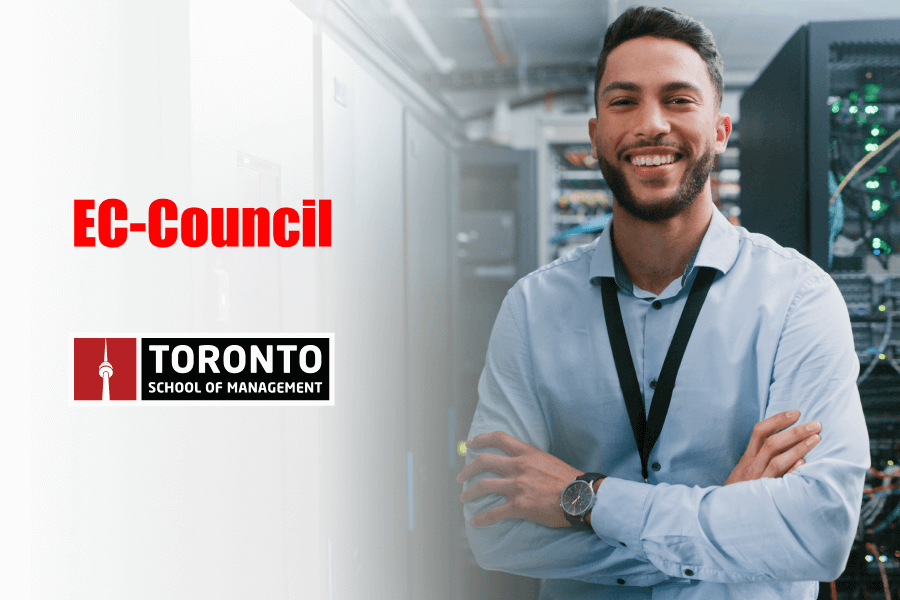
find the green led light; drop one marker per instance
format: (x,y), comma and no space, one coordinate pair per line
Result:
(882,169)
(871,110)
(836,107)
(876,205)
(890,463)
(881,356)
(882,308)
(873,184)
(461,448)
(875,130)
(871,148)
(854,96)
(854,110)
(879,246)
(871,91)
(861,118)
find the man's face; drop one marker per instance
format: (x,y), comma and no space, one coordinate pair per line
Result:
(658,127)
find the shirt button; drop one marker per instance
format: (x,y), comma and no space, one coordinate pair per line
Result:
(657,304)
(655,466)
(620,581)
(623,543)
(688,572)
(653,385)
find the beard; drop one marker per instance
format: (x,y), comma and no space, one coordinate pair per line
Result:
(692,183)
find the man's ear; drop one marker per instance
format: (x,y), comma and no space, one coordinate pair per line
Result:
(592,129)
(723,132)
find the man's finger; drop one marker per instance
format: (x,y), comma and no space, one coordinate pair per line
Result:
(485,462)
(498,513)
(780,465)
(780,442)
(486,486)
(796,465)
(501,440)
(767,427)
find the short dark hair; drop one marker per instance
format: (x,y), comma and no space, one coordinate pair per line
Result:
(640,21)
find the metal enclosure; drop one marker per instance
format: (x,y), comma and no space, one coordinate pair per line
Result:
(774,161)
(495,245)
(823,106)
(361,295)
(428,302)
(786,133)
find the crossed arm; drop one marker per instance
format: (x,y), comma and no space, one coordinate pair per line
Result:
(533,480)
(649,534)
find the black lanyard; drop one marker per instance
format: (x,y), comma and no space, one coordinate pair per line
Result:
(646,431)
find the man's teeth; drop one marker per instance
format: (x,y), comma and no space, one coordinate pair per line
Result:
(640,161)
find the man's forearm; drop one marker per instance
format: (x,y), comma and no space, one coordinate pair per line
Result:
(526,548)
(797,528)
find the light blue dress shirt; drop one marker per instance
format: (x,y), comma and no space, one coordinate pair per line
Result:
(773,335)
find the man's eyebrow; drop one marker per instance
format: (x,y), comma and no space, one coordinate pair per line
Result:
(621,85)
(629,86)
(680,85)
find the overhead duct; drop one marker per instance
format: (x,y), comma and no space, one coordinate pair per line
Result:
(402,11)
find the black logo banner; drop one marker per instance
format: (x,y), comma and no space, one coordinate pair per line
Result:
(239,368)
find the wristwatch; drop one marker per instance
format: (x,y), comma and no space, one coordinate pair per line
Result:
(578,498)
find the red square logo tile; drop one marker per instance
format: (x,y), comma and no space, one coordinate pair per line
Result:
(105,368)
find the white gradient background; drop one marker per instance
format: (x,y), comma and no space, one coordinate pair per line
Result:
(139,101)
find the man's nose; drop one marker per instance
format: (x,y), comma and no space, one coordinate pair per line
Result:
(651,121)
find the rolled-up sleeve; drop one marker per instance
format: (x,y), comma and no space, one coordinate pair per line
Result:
(508,402)
(796,528)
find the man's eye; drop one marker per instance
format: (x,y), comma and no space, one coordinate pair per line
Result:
(679,101)
(621,101)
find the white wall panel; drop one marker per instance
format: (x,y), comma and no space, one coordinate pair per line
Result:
(362,300)
(429,380)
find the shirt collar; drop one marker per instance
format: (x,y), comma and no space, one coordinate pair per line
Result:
(718,249)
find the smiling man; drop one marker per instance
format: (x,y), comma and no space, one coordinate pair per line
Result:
(637,443)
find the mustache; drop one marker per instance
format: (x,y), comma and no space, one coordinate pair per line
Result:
(653,144)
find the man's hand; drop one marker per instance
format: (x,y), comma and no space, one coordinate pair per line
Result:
(532,481)
(772,454)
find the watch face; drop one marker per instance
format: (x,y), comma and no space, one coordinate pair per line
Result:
(576,498)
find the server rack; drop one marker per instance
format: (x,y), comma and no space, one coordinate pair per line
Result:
(495,245)
(787,125)
(828,99)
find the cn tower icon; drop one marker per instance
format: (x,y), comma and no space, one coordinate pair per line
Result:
(106,371)
(119,350)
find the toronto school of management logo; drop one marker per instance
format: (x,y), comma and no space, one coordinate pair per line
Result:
(203,369)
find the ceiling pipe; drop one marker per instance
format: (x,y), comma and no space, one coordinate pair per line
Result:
(402,10)
(498,54)
(567,92)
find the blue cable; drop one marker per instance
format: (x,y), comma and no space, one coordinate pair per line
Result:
(592,226)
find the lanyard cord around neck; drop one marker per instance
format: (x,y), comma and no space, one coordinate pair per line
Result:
(646,431)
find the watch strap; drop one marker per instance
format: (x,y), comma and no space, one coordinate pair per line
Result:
(590,477)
